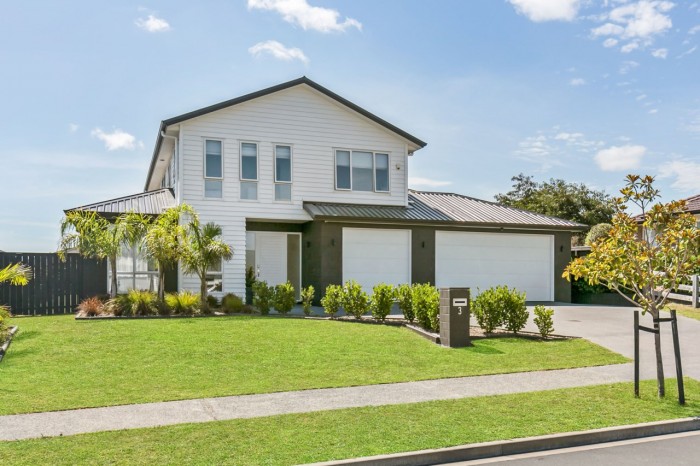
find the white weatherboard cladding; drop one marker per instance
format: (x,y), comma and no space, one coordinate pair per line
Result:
(313,125)
(372,256)
(482,260)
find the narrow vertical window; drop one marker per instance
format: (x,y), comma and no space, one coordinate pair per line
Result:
(249,170)
(215,276)
(213,168)
(381,172)
(342,169)
(283,173)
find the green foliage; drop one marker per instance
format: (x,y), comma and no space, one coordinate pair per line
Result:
(404,295)
(307,298)
(231,303)
(16,274)
(262,296)
(355,300)
(582,287)
(488,309)
(426,305)
(4,326)
(90,307)
(544,320)
(141,303)
(212,302)
(284,298)
(515,313)
(249,277)
(332,301)
(383,297)
(597,232)
(184,303)
(571,201)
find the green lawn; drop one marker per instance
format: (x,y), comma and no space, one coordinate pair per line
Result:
(683,310)
(327,435)
(58,363)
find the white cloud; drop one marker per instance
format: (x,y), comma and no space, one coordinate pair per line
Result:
(550,148)
(685,172)
(116,140)
(641,97)
(659,53)
(153,24)
(426,182)
(610,42)
(278,51)
(688,52)
(637,22)
(299,12)
(628,66)
(653,111)
(627,48)
(547,10)
(72,127)
(608,29)
(577,82)
(694,30)
(619,158)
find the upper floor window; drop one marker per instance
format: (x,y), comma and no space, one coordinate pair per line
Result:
(283,173)
(213,168)
(361,170)
(249,170)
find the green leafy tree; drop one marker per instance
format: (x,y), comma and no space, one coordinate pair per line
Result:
(165,239)
(96,237)
(558,198)
(643,264)
(597,232)
(202,249)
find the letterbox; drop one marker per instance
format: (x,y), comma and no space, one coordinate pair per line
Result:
(454,317)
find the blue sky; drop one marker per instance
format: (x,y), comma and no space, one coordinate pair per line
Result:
(587,91)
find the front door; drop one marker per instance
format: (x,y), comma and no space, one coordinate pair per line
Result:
(276,257)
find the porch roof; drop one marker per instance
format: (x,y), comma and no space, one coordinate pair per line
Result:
(147,203)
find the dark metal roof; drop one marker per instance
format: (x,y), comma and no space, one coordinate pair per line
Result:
(270,90)
(692,206)
(449,208)
(149,203)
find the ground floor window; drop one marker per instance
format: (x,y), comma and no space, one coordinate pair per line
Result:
(215,278)
(134,271)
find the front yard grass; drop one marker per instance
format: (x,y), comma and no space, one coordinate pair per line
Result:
(58,363)
(328,435)
(687,311)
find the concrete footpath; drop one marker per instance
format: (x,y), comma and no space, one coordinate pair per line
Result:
(57,423)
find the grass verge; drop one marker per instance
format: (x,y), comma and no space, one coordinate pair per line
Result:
(327,435)
(56,363)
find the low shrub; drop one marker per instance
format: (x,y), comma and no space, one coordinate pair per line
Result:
(90,307)
(142,303)
(426,305)
(515,312)
(307,298)
(4,325)
(231,303)
(355,300)
(162,308)
(597,232)
(212,302)
(383,296)
(284,298)
(248,309)
(488,310)
(262,296)
(404,295)
(544,320)
(118,306)
(185,302)
(332,301)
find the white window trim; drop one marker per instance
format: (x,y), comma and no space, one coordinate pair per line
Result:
(257,160)
(204,165)
(291,162)
(374,169)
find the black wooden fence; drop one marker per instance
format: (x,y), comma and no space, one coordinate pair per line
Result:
(56,286)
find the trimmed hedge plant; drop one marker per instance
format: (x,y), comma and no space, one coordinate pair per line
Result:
(262,296)
(500,306)
(383,296)
(355,300)
(332,301)
(307,298)
(404,296)
(426,305)
(544,320)
(284,298)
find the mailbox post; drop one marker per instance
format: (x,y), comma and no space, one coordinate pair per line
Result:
(454,317)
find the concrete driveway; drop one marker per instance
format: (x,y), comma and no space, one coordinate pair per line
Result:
(612,327)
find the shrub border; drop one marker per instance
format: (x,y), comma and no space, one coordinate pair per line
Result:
(6,345)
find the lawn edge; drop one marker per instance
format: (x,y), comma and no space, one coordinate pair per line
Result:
(494,449)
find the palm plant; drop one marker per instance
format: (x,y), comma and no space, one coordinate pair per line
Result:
(164,240)
(96,237)
(203,249)
(16,274)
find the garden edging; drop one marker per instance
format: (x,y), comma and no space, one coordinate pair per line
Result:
(6,345)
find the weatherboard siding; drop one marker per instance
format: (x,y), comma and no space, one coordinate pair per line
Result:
(314,126)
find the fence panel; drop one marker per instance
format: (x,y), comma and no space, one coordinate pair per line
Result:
(56,286)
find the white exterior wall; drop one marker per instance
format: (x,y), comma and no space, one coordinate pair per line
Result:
(314,125)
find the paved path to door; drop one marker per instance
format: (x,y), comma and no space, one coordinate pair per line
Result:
(610,327)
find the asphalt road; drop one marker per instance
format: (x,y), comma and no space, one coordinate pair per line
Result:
(676,449)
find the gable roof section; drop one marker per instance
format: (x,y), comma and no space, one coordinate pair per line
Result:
(447,208)
(271,90)
(148,203)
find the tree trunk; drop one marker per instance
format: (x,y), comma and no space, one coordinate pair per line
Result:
(203,290)
(660,383)
(161,282)
(113,285)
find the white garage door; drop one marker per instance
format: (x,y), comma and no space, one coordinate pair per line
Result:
(372,256)
(483,260)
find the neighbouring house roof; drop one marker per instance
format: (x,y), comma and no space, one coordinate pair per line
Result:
(149,203)
(692,206)
(270,90)
(447,208)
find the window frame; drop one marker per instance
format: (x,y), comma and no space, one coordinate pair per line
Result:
(374,169)
(204,167)
(257,161)
(214,276)
(274,169)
